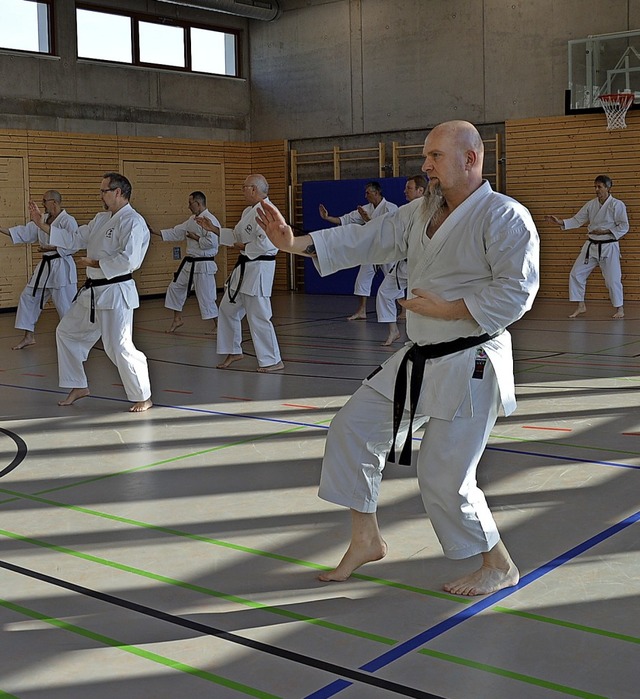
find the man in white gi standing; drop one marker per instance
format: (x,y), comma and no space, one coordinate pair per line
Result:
(473,270)
(376,206)
(249,287)
(607,223)
(54,277)
(116,242)
(394,284)
(198,268)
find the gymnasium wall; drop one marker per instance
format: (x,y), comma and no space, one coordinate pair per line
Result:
(551,165)
(163,172)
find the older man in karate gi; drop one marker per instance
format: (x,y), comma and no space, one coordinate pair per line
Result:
(607,223)
(198,268)
(249,287)
(376,206)
(116,242)
(55,276)
(473,270)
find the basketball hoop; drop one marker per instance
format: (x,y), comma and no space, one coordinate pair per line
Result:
(615,107)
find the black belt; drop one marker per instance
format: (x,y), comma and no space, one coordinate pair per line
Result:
(90,283)
(599,243)
(46,262)
(418,355)
(190,259)
(242,262)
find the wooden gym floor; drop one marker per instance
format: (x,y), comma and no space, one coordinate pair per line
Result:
(173,553)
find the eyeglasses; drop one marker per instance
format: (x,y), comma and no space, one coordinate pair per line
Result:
(44,201)
(111,189)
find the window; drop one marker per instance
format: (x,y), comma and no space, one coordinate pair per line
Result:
(104,36)
(143,40)
(25,26)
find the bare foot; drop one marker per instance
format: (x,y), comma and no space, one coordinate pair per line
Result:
(484,581)
(272,367)
(391,339)
(618,314)
(141,406)
(355,557)
(74,395)
(26,342)
(174,326)
(358,316)
(213,331)
(579,311)
(229,360)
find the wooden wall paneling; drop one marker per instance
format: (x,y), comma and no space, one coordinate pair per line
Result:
(16,267)
(551,165)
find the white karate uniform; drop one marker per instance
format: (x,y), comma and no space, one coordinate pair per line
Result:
(612,216)
(392,288)
(254,297)
(486,253)
(119,242)
(58,279)
(366,273)
(204,281)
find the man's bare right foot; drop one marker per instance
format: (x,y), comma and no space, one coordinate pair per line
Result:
(141,406)
(579,311)
(74,395)
(358,316)
(229,360)
(391,339)
(484,581)
(26,342)
(174,326)
(355,557)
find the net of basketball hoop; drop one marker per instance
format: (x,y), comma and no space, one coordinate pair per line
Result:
(615,107)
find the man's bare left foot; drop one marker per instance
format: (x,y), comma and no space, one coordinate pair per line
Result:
(271,367)
(74,395)
(355,557)
(26,342)
(174,326)
(358,316)
(619,313)
(579,311)
(391,339)
(141,406)
(484,581)
(229,360)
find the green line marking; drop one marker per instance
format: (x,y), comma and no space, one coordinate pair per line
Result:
(6,695)
(563,444)
(133,650)
(511,675)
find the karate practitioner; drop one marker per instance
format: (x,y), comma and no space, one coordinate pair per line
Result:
(116,242)
(394,284)
(197,268)
(376,206)
(249,286)
(473,270)
(607,223)
(54,277)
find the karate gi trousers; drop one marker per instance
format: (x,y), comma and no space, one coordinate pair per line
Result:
(76,335)
(258,312)
(609,261)
(359,441)
(391,289)
(204,286)
(29,309)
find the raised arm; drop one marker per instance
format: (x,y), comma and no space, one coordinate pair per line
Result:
(280,232)
(324,214)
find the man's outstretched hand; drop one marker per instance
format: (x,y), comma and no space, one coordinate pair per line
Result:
(278,231)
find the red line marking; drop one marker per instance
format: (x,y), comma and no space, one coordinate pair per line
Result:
(40,375)
(117,384)
(175,390)
(295,405)
(554,429)
(236,398)
(631,434)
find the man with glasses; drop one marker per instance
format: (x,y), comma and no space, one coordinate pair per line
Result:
(55,276)
(116,242)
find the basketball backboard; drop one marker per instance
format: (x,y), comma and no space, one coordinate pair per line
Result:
(602,64)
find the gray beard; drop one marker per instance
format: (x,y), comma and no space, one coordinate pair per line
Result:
(433,201)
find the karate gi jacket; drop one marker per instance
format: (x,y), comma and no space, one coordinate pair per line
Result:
(205,246)
(119,242)
(384,207)
(486,252)
(259,275)
(612,216)
(63,269)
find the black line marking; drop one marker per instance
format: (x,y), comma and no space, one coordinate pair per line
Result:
(21,452)
(355,675)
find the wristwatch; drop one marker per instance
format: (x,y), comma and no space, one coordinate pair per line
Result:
(310,249)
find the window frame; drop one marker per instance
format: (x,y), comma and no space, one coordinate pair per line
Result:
(137,17)
(52,35)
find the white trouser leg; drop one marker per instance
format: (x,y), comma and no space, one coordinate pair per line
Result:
(362,286)
(388,292)
(29,308)
(447,465)
(229,338)
(205,288)
(262,331)
(75,336)
(612,273)
(63,298)
(578,277)
(116,326)
(176,295)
